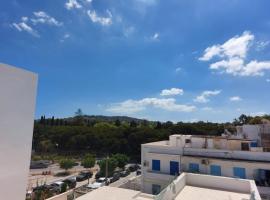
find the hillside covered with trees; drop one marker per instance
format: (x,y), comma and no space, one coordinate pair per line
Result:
(110,135)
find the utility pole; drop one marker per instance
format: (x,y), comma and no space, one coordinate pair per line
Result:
(107,167)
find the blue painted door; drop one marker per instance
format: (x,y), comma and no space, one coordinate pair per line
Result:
(156,165)
(239,172)
(174,168)
(193,167)
(215,170)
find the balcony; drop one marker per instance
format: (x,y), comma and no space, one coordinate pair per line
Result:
(158,175)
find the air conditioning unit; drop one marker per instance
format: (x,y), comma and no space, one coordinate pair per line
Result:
(205,162)
(145,163)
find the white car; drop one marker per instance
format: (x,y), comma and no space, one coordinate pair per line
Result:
(99,183)
(58,186)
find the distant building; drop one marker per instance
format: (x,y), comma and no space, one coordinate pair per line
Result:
(238,155)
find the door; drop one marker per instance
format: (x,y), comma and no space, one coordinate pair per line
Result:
(155,189)
(174,168)
(215,170)
(239,172)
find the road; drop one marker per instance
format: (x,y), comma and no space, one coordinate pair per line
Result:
(123,180)
(35,175)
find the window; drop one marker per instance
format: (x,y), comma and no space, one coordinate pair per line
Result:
(174,167)
(244,146)
(187,141)
(155,189)
(239,172)
(156,165)
(215,170)
(193,167)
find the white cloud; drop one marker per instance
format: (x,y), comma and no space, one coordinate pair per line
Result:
(203,98)
(268,80)
(104,21)
(147,2)
(260,45)
(128,31)
(44,18)
(235,98)
(22,26)
(72,4)
(155,37)
(260,113)
(234,47)
(207,109)
(133,106)
(172,92)
(65,36)
(24,19)
(233,54)
(178,69)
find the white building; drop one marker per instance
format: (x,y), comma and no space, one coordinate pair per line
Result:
(187,186)
(229,156)
(17,106)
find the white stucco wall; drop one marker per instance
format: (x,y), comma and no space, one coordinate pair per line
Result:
(17,106)
(226,166)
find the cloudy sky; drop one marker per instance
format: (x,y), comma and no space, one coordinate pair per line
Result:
(160,60)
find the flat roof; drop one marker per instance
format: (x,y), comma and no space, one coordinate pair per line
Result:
(110,193)
(192,193)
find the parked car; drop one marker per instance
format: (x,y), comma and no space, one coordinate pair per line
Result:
(38,164)
(124,173)
(45,188)
(57,186)
(98,175)
(115,177)
(84,175)
(71,182)
(132,167)
(99,183)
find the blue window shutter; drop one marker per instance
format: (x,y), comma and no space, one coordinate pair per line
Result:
(215,170)
(174,168)
(194,167)
(253,144)
(239,172)
(156,165)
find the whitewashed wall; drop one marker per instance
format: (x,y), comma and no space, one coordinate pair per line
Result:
(17,106)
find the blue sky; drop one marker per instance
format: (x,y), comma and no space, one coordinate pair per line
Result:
(159,60)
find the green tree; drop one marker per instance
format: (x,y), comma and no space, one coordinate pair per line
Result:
(117,122)
(66,164)
(112,164)
(88,162)
(79,117)
(133,124)
(122,159)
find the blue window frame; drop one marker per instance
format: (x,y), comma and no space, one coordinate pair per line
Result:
(239,172)
(215,170)
(156,165)
(193,167)
(155,189)
(174,167)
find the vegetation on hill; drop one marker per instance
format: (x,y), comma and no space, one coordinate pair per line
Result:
(84,134)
